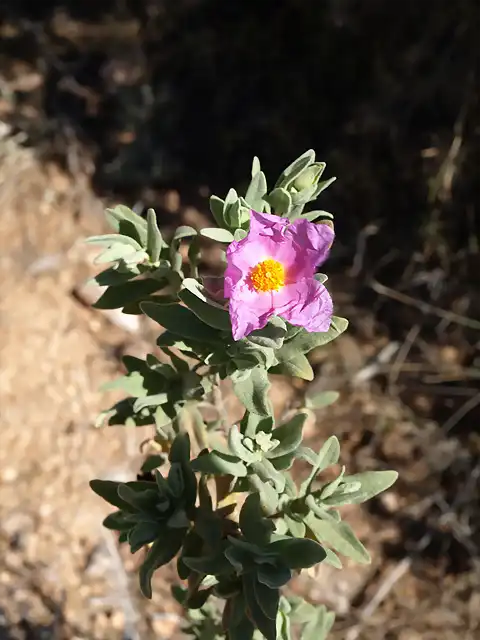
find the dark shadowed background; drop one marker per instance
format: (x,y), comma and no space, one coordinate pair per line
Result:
(160,103)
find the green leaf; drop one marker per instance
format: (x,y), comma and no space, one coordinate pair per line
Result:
(255,527)
(295,168)
(111,239)
(152,462)
(150,401)
(298,553)
(255,166)
(108,490)
(296,528)
(184,231)
(239,626)
(313,215)
(118,296)
(267,626)
(236,446)
(309,176)
(339,536)
(116,252)
(218,463)
(251,423)
(117,522)
(267,598)
(372,483)
(321,400)
(220,235)
(273,576)
(162,551)
(155,241)
(268,496)
(214,564)
(271,336)
(143,533)
(252,390)
(320,625)
(332,559)
(321,186)
(127,222)
(289,436)
(327,456)
(305,341)
(112,276)
(256,190)
(180,321)
(267,472)
(280,201)
(180,449)
(211,314)
(217,207)
(293,363)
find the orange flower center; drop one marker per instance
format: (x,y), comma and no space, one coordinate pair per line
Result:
(268,275)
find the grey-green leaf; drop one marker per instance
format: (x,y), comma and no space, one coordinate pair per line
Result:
(295,168)
(298,553)
(154,237)
(256,190)
(305,341)
(162,551)
(116,297)
(372,483)
(220,235)
(211,314)
(180,321)
(252,391)
(218,463)
(280,201)
(339,536)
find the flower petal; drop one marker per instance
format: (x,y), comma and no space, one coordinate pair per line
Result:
(311,243)
(249,309)
(267,224)
(305,303)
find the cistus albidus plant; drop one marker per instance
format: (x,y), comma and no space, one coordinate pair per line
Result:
(229,509)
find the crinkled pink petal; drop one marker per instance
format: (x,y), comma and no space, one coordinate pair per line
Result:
(311,245)
(249,310)
(267,224)
(305,303)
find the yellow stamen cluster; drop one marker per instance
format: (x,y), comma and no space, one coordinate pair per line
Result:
(268,275)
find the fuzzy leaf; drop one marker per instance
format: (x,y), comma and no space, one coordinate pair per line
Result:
(296,168)
(271,336)
(252,390)
(154,237)
(116,297)
(280,201)
(339,536)
(321,400)
(220,235)
(305,341)
(256,190)
(327,456)
(162,551)
(298,553)
(372,483)
(127,222)
(211,314)
(216,207)
(180,321)
(289,436)
(218,463)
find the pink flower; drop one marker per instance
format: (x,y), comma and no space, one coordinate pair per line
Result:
(271,272)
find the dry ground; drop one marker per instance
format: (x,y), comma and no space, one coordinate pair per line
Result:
(61,575)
